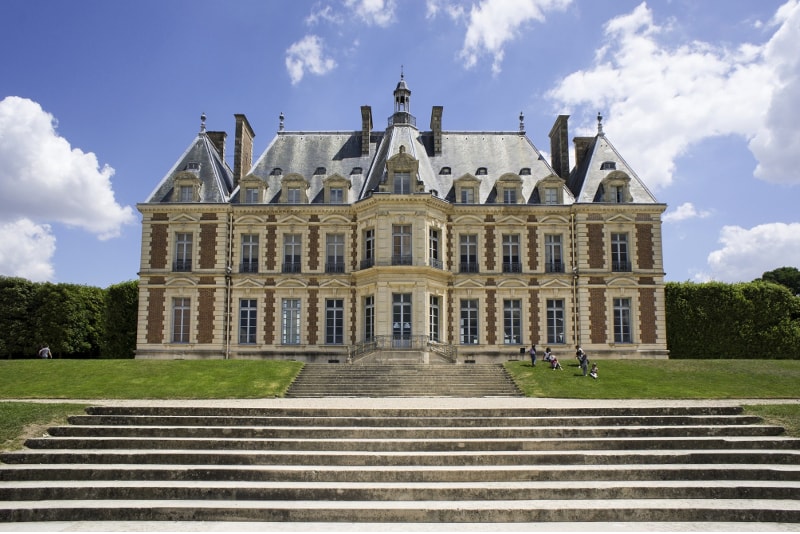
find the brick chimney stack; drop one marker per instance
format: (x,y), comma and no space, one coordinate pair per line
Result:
(559,147)
(243,148)
(218,140)
(366,129)
(436,128)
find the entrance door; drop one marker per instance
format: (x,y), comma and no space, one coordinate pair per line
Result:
(401,320)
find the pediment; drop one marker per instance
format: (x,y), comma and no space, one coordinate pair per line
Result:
(292,219)
(291,282)
(554,219)
(334,283)
(336,179)
(467,178)
(250,219)
(552,179)
(468,219)
(621,281)
(294,179)
(468,283)
(248,283)
(184,217)
(180,281)
(621,217)
(508,283)
(510,178)
(512,220)
(334,219)
(556,283)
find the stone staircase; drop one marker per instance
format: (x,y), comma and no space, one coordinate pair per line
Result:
(403,380)
(405,465)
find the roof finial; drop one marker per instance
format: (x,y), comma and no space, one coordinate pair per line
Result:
(401,72)
(203,122)
(599,124)
(280,123)
(521,122)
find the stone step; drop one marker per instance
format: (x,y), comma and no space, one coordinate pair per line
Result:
(141,440)
(580,475)
(462,511)
(383,458)
(396,465)
(401,491)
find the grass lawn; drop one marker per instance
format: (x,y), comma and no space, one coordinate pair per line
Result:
(245,379)
(145,379)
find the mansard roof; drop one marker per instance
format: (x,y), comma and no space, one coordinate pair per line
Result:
(203,160)
(601,161)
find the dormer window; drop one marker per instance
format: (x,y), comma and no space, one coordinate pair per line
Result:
(551,190)
(509,188)
(467,188)
(445,170)
(277,171)
(193,166)
(616,188)
(525,171)
(319,170)
(336,187)
(293,189)
(401,177)
(357,170)
(187,187)
(481,171)
(253,190)
(336,195)
(467,195)
(402,183)
(251,195)
(608,166)
(550,195)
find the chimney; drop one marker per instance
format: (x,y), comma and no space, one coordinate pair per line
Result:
(436,127)
(366,129)
(581,148)
(559,147)
(242,148)
(218,140)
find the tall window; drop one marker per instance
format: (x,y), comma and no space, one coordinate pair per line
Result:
(402,183)
(552,254)
(511,262)
(622,321)
(401,244)
(467,195)
(401,320)
(509,196)
(249,254)
(251,195)
(469,321)
(292,253)
(186,193)
(512,322)
(247,321)
(290,321)
(369,318)
(336,195)
(181,310)
(468,246)
(293,195)
(334,260)
(369,249)
(555,321)
(433,248)
(183,252)
(616,193)
(619,253)
(433,319)
(334,321)
(550,195)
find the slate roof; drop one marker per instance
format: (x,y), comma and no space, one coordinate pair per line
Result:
(215,176)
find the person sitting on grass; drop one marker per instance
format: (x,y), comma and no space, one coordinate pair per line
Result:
(554,363)
(593,372)
(548,356)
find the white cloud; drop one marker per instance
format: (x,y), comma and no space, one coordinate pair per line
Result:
(46,180)
(746,254)
(26,250)
(685,211)
(660,100)
(492,23)
(776,144)
(307,55)
(323,13)
(373,12)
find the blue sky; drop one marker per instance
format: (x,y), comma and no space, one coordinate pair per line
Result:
(98,100)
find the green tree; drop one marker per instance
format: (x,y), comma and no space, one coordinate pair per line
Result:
(785,276)
(119,320)
(17,339)
(69,319)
